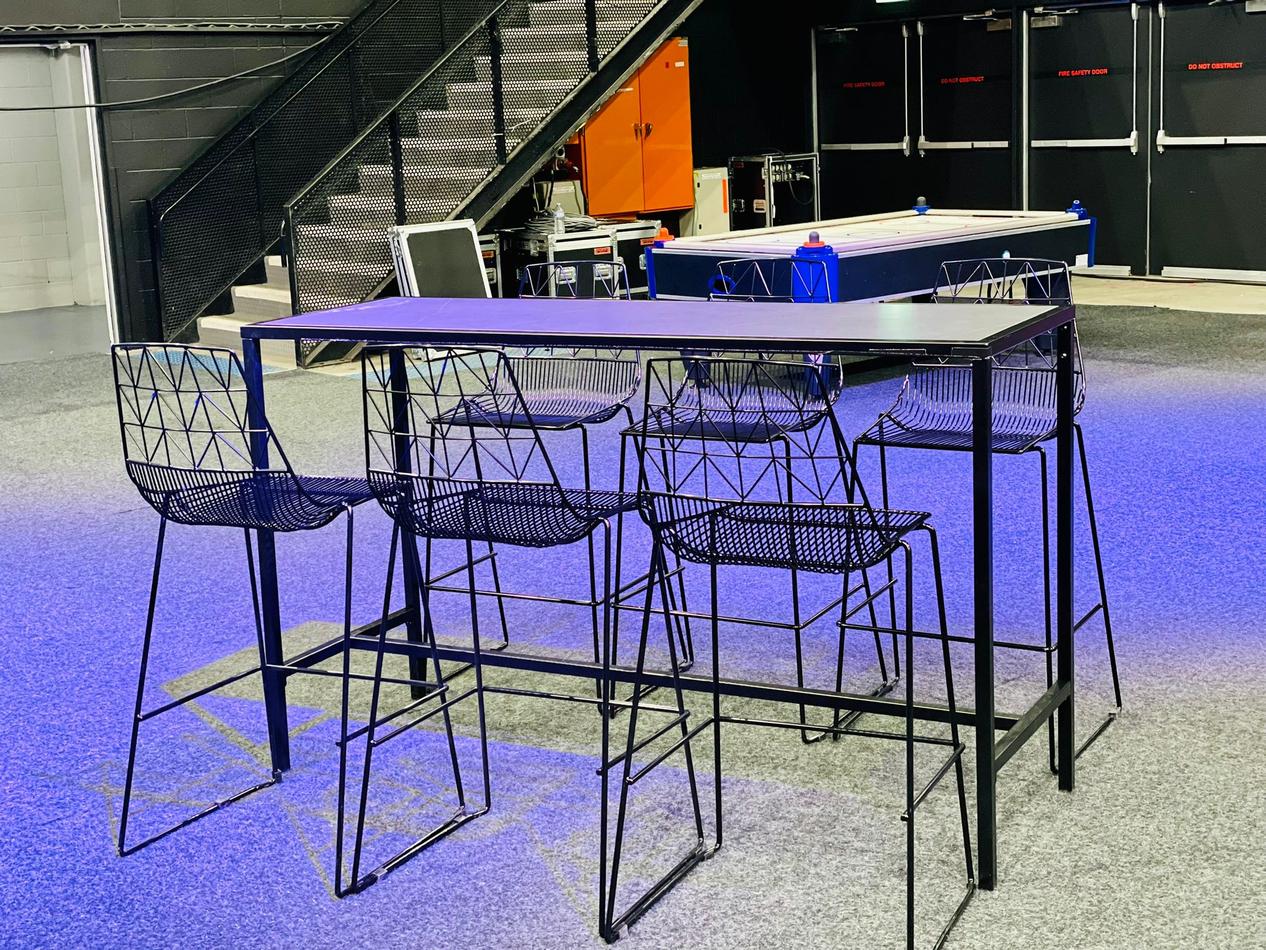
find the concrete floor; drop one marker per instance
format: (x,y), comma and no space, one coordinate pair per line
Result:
(52,333)
(1196,295)
(1159,847)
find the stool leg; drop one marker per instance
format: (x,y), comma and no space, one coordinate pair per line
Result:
(909,744)
(951,701)
(339,889)
(609,924)
(379,654)
(1103,584)
(140,685)
(140,715)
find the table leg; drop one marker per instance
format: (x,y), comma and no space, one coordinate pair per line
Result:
(982,540)
(270,610)
(412,566)
(1064,394)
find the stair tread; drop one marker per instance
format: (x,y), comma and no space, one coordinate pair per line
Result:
(262,292)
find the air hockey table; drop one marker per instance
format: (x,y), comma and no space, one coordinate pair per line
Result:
(879,256)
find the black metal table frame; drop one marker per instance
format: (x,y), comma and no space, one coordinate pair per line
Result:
(992,752)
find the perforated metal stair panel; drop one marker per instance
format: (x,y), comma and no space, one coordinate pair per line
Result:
(223,212)
(439,144)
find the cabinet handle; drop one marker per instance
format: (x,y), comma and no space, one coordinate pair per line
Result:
(637,130)
(648,128)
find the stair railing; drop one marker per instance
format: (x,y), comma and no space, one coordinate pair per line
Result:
(224,211)
(336,225)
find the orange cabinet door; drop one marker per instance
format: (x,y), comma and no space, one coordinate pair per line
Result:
(668,177)
(613,155)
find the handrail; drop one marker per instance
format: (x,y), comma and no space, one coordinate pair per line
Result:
(336,57)
(395,106)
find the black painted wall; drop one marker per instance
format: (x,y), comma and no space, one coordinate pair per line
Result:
(144,148)
(1205,204)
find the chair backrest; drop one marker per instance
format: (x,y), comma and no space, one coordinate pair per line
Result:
(576,280)
(613,371)
(185,418)
(438,424)
(742,431)
(771,279)
(1023,281)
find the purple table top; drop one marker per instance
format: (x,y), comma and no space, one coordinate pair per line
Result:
(977,330)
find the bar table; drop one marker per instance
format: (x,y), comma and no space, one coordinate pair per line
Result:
(883,331)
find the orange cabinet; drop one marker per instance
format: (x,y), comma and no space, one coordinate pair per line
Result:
(635,152)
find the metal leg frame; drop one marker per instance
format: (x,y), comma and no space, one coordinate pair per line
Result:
(612,926)
(431,692)
(140,714)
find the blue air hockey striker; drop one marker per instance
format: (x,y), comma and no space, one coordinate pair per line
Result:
(878,256)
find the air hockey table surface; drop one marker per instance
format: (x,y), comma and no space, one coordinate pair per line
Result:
(879,256)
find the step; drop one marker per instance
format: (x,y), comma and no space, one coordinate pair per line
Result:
(278,273)
(376,199)
(569,36)
(375,180)
(555,12)
(261,302)
(470,123)
(526,94)
(226,331)
(469,151)
(525,64)
(367,243)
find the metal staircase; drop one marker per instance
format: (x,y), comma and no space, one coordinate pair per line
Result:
(416,110)
(466,136)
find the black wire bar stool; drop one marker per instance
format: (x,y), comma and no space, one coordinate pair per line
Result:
(571,389)
(449,459)
(715,495)
(191,430)
(933,411)
(789,413)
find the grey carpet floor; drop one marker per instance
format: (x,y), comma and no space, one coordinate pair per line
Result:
(1160,846)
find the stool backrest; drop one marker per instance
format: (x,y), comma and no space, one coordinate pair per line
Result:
(185,418)
(741,430)
(438,422)
(576,280)
(1021,281)
(771,279)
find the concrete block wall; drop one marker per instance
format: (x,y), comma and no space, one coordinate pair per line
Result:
(35,268)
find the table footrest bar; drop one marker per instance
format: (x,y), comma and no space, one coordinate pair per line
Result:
(646,769)
(837,730)
(570,698)
(365,677)
(447,704)
(744,689)
(189,697)
(1015,737)
(934,781)
(643,743)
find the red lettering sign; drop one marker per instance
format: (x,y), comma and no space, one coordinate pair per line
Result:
(960,80)
(865,84)
(1079,73)
(1201,67)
